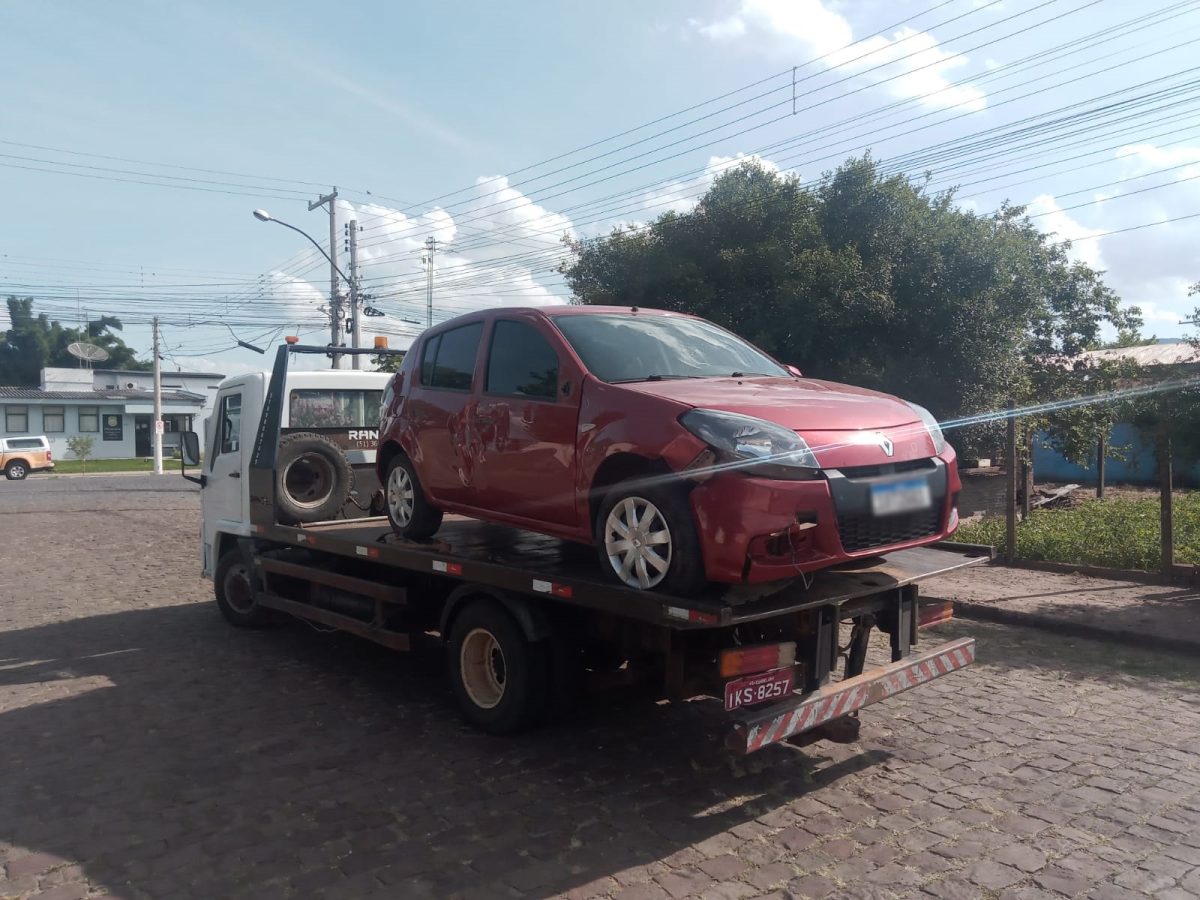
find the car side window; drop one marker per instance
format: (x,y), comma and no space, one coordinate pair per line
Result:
(453,358)
(230,435)
(521,362)
(428,358)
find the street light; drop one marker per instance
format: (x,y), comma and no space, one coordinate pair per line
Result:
(263,216)
(335,314)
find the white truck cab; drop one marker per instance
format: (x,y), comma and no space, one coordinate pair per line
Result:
(329,426)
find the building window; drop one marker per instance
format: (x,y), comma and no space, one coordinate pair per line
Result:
(89,419)
(16,418)
(54,419)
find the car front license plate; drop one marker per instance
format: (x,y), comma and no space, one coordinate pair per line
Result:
(900,497)
(755,689)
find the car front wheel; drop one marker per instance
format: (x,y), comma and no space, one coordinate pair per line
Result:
(646,539)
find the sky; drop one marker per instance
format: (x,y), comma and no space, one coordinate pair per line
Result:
(137,138)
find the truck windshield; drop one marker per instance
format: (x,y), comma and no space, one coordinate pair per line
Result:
(648,348)
(333,409)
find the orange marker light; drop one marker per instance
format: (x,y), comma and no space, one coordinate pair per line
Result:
(380,342)
(292,339)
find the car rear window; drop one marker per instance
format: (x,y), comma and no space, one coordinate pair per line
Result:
(638,348)
(333,409)
(449,358)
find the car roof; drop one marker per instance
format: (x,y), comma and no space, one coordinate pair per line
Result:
(482,315)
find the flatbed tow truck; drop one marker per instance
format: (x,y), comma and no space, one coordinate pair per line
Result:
(529,620)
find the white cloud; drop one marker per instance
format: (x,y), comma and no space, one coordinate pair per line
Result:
(913,63)
(1054,221)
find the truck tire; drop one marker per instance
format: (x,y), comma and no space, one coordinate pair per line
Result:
(235,600)
(410,512)
(312,478)
(16,470)
(646,539)
(498,675)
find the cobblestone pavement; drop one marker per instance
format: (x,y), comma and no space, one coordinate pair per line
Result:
(148,750)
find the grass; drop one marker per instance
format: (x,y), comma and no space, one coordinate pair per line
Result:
(1117,533)
(74,466)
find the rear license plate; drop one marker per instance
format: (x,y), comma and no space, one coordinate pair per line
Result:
(900,497)
(755,689)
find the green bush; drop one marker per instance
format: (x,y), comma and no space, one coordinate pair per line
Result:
(1118,533)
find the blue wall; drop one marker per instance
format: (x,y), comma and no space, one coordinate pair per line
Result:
(1140,468)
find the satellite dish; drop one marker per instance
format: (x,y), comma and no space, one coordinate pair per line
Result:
(89,353)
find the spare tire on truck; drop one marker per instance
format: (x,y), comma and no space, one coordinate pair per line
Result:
(312,478)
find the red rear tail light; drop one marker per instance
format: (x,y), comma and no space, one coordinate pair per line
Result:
(49,455)
(760,658)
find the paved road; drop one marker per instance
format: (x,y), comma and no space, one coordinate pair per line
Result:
(147,750)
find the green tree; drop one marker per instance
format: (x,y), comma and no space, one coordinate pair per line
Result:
(868,279)
(33,342)
(388,362)
(81,445)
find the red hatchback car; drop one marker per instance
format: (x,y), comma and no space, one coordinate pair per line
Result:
(683,453)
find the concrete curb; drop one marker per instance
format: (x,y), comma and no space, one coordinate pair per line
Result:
(97,474)
(982,612)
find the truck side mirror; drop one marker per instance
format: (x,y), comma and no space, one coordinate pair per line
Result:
(794,371)
(189,448)
(189,455)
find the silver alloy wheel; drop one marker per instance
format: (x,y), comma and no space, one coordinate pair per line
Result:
(481,662)
(638,542)
(238,593)
(16,471)
(401,496)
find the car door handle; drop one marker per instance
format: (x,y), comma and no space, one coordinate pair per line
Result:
(235,474)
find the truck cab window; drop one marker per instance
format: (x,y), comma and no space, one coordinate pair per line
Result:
(231,423)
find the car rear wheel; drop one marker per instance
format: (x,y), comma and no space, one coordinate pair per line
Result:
(411,514)
(646,539)
(15,470)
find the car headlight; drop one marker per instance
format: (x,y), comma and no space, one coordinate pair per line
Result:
(758,447)
(932,426)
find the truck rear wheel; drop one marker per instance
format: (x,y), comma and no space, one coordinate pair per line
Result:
(235,595)
(498,675)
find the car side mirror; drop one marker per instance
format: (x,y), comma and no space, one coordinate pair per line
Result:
(794,371)
(189,455)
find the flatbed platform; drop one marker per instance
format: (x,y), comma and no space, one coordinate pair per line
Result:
(511,559)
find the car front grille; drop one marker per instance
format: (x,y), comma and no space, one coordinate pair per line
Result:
(864,531)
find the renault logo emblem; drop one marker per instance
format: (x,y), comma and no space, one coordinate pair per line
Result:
(886,445)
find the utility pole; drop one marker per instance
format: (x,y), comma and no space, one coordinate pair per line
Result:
(430,247)
(355,303)
(158,422)
(335,298)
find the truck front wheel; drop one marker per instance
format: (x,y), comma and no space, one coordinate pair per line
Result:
(235,595)
(498,675)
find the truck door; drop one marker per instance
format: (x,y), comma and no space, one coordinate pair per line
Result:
(225,494)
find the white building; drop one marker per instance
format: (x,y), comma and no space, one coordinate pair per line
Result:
(112,406)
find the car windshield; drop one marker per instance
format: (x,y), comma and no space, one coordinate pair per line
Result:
(648,348)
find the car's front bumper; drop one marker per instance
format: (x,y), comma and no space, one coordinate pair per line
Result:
(759,529)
